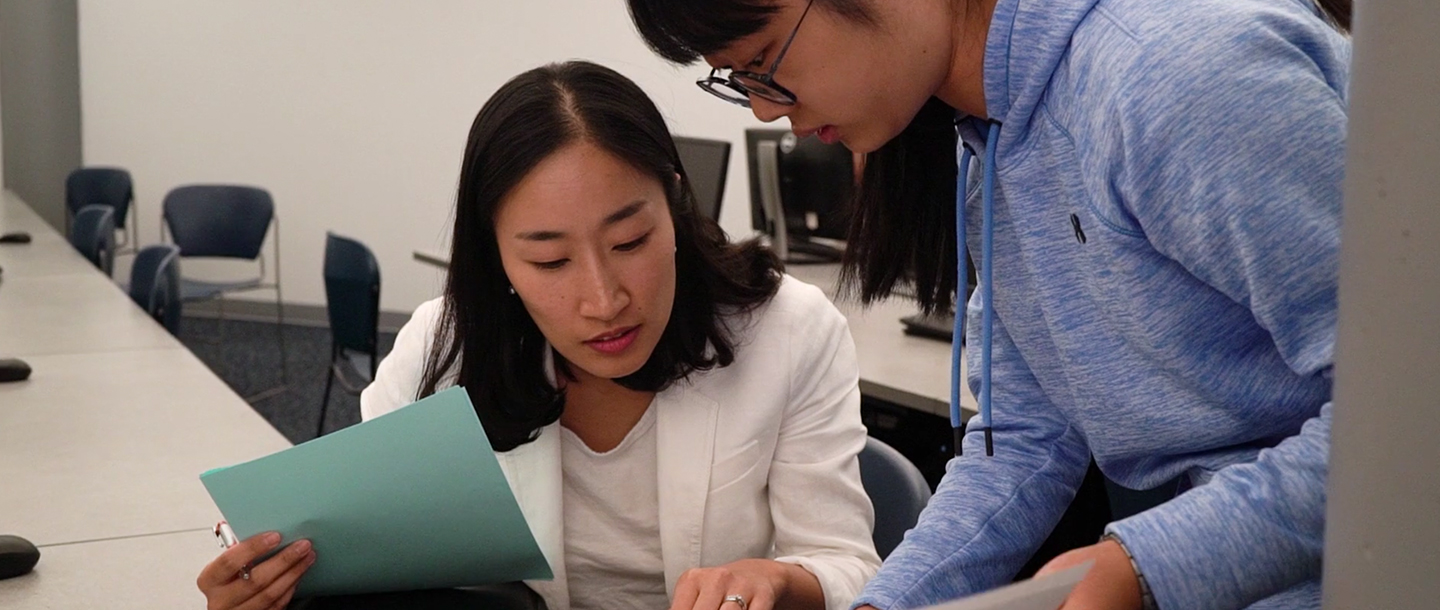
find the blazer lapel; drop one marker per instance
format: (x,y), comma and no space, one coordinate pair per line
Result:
(533,471)
(684,449)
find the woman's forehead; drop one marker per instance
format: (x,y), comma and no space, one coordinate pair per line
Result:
(579,187)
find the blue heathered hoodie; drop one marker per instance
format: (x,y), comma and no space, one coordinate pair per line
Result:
(1190,331)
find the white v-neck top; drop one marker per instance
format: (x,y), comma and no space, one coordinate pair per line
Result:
(612,522)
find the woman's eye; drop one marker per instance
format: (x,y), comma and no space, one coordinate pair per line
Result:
(555,264)
(634,244)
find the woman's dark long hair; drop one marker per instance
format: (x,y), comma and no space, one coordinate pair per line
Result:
(1338,11)
(901,228)
(902,231)
(486,331)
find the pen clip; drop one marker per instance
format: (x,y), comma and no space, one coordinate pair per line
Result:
(225,535)
(227,539)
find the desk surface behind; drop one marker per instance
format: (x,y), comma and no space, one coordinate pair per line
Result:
(102,448)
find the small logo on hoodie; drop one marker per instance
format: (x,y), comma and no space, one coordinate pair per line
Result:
(1079,232)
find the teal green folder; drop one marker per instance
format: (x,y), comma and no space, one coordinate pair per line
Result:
(414,499)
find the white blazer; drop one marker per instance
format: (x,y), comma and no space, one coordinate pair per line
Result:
(756,460)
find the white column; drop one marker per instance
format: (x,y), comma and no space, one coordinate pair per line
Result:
(2,129)
(1382,543)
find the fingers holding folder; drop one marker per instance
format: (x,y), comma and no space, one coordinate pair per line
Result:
(271,583)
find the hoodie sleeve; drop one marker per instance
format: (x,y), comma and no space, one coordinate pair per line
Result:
(989,513)
(1233,161)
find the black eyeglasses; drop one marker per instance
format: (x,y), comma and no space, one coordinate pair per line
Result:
(740,85)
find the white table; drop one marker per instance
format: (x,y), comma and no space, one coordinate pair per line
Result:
(48,253)
(152,572)
(102,448)
(912,372)
(895,367)
(101,445)
(46,256)
(16,216)
(73,313)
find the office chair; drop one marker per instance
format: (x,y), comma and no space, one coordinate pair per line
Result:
(897,490)
(107,186)
(352,300)
(93,234)
(155,284)
(223,221)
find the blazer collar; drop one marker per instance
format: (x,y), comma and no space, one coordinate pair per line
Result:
(533,471)
(685,448)
(685,445)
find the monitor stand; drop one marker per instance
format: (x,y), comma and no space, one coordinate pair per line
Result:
(939,325)
(793,250)
(804,252)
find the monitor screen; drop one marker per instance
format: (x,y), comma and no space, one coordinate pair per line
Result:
(705,163)
(816,184)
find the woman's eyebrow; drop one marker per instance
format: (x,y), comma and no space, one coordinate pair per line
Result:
(623,213)
(540,235)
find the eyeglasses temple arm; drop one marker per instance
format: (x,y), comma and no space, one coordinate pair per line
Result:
(776,64)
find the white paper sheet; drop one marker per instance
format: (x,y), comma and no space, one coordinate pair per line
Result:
(1044,593)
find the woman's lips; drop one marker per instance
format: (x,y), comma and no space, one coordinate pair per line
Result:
(829,134)
(614,343)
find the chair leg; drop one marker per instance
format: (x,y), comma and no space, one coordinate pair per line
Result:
(284,384)
(220,321)
(329,382)
(280,338)
(325,402)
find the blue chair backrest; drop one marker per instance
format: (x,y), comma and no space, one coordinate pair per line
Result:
(155,284)
(897,490)
(93,234)
(107,186)
(352,292)
(219,220)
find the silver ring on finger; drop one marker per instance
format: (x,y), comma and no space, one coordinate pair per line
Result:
(739,601)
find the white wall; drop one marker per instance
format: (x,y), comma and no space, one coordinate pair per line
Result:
(353,113)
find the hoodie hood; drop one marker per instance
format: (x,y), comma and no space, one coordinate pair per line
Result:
(1017,75)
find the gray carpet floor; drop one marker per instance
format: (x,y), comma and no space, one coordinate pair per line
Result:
(246,355)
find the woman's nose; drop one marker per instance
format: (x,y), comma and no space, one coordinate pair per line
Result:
(604,297)
(766,110)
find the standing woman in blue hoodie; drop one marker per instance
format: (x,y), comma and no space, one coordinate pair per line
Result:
(1152,192)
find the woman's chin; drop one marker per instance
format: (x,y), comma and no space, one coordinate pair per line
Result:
(611,367)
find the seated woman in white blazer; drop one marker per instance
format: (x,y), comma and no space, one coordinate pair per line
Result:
(678,419)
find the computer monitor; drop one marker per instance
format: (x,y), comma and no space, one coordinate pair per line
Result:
(706,163)
(807,181)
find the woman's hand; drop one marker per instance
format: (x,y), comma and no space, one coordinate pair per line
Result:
(1111,583)
(762,583)
(271,584)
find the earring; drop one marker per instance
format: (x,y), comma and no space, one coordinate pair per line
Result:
(511,289)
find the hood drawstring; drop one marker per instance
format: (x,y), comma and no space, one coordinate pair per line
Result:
(987,291)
